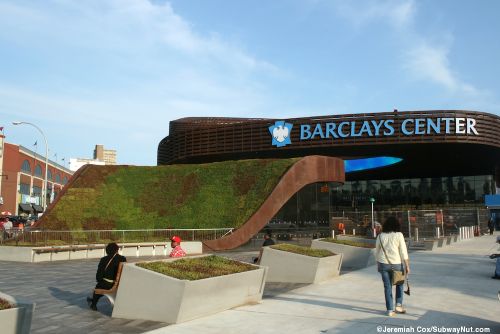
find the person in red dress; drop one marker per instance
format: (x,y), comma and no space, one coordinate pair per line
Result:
(177,251)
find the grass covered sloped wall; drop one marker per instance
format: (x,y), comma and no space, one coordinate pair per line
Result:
(215,195)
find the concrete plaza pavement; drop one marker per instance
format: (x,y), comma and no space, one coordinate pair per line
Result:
(59,290)
(450,287)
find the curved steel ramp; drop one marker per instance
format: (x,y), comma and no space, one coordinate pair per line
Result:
(308,170)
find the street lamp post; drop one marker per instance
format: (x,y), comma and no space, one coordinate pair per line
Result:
(372,200)
(44,192)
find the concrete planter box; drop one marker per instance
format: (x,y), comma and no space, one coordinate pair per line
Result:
(356,239)
(430,244)
(16,320)
(147,295)
(13,253)
(62,253)
(441,242)
(296,268)
(353,257)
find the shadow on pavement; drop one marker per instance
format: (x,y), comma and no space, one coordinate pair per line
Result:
(80,299)
(430,322)
(271,290)
(329,304)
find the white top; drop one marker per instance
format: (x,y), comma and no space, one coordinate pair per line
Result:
(394,245)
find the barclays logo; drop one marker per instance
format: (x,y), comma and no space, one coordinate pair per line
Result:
(281,133)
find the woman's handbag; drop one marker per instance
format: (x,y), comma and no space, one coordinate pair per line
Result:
(398,277)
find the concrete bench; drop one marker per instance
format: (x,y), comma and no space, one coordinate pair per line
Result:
(92,251)
(66,249)
(111,293)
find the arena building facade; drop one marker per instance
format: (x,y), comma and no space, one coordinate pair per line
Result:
(403,160)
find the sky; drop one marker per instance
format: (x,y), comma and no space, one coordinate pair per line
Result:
(116,72)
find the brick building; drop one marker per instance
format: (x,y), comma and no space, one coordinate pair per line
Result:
(22,179)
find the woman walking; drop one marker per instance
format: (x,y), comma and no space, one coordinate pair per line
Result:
(392,255)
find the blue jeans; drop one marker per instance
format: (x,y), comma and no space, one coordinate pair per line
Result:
(385,270)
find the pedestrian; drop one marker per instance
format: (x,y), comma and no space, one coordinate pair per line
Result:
(491,225)
(268,241)
(106,272)
(8,226)
(391,254)
(177,251)
(496,275)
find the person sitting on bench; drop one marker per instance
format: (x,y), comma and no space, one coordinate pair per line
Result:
(106,272)
(268,241)
(497,267)
(177,251)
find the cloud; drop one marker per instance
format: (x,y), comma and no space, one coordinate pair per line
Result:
(364,12)
(119,26)
(422,59)
(99,66)
(426,62)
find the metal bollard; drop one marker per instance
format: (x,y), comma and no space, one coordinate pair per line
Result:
(416,234)
(437,232)
(333,234)
(353,231)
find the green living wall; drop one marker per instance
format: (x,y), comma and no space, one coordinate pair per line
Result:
(215,195)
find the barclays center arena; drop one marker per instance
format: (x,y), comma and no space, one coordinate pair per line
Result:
(400,160)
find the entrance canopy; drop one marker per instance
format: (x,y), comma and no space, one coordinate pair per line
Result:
(25,207)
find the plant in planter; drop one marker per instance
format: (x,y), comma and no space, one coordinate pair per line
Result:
(357,254)
(354,243)
(5,304)
(303,250)
(15,317)
(193,269)
(177,290)
(358,238)
(296,264)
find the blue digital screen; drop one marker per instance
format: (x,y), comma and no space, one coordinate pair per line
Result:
(492,201)
(369,163)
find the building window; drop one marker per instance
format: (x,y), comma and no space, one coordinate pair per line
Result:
(58,178)
(26,167)
(49,175)
(65,180)
(24,189)
(38,171)
(37,191)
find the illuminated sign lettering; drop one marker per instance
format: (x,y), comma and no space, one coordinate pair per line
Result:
(375,128)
